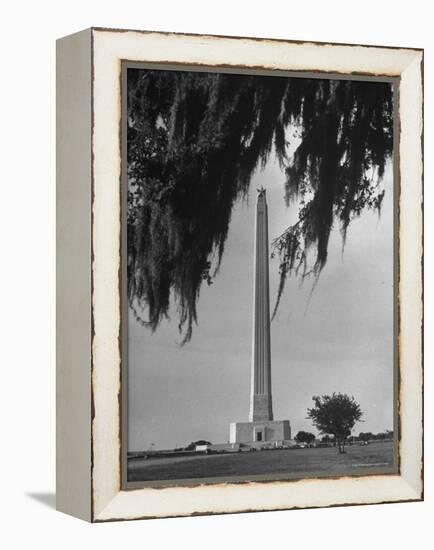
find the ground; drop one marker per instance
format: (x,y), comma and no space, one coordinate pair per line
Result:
(293,462)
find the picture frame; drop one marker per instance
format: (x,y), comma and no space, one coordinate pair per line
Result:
(91,406)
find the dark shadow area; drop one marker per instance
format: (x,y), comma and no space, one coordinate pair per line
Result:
(47,499)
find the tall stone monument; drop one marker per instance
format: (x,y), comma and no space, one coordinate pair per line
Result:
(261,426)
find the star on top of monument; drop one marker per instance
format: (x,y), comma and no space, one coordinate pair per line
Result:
(261,191)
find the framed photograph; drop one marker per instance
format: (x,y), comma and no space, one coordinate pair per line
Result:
(239,274)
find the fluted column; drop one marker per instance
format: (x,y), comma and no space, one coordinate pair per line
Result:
(260,397)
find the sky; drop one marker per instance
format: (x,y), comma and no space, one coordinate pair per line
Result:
(336,338)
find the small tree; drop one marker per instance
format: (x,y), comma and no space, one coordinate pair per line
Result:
(366,436)
(193,444)
(304,437)
(335,415)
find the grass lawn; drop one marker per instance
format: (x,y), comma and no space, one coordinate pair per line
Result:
(296,463)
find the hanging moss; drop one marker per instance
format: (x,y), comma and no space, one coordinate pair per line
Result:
(194,142)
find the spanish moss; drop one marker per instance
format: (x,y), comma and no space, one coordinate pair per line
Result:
(194,143)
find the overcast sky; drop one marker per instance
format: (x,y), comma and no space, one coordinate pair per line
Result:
(339,338)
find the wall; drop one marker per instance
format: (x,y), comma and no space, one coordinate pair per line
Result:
(244,432)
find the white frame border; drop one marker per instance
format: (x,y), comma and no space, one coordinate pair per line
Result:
(109,48)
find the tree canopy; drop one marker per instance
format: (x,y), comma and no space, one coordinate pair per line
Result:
(194,141)
(192,446)
(335,415)
(304,437)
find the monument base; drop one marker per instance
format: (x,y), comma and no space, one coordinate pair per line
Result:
(259,431)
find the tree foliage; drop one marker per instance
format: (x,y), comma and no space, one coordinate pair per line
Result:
(304,437)
(192,446)
(194,142)
(335,415)
(381,436)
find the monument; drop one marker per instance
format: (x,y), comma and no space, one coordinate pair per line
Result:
(261,427)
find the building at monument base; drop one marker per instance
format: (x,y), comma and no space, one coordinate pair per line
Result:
(259,431)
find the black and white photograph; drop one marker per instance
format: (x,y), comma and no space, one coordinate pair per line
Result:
(218,249)
(259,276)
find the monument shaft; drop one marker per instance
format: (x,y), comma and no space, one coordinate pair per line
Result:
(261,408)
(261,430)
